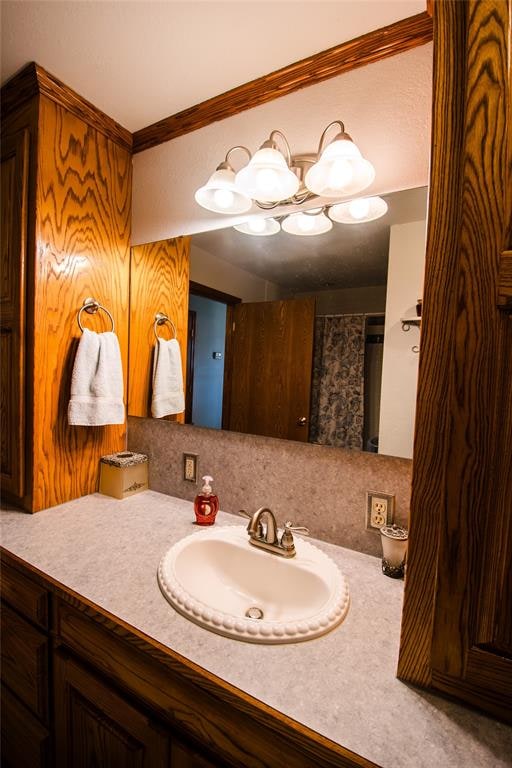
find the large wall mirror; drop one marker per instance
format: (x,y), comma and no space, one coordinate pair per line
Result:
(301,337)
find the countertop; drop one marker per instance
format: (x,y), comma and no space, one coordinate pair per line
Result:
(341,685)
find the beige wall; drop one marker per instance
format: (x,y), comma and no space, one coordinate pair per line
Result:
(400,363)
(346,301)
(211,270)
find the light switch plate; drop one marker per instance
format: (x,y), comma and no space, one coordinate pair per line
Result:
(190,467)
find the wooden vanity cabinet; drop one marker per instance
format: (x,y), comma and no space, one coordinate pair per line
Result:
(80,688)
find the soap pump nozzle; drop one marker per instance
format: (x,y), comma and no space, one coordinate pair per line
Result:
(207,489)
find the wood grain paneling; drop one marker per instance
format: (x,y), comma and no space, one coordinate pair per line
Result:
(367,49)
(24,654)
(13,258)
(458,568)
(33,80)
(83,236)
(158,283)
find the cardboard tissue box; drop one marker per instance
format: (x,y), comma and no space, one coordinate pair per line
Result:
(123,474)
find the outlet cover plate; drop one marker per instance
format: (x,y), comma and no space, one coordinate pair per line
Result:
(377,495)
(190,467)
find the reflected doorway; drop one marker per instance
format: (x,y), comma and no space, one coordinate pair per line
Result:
(209,318)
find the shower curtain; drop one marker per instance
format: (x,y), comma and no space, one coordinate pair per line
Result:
(337,401)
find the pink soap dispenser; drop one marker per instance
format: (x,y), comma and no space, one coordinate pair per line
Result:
(206,504)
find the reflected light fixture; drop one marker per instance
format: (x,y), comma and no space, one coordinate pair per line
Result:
(273,176)
(358,211)
(307,223)
(259,227)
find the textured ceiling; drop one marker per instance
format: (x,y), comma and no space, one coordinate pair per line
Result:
(349,256)
(142,61)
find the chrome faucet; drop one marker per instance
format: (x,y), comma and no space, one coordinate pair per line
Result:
(263,533)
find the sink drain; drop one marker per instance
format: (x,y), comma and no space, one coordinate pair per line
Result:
(254,613)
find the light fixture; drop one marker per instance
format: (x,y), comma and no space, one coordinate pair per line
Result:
(358,211)
(340,168)
(307,223)
(273,176)
(220,194)
(259,227)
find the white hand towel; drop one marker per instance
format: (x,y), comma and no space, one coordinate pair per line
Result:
(97,381)
(168,396)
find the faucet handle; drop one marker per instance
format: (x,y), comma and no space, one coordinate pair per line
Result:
(243,513)
(287,538)
(289,526)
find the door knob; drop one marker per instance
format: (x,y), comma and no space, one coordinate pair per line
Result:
(302,421)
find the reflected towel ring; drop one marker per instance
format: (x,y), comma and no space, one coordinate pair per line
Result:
(91,306)
(160,319)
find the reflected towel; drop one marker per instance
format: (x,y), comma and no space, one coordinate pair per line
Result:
(97,381)
(168,396)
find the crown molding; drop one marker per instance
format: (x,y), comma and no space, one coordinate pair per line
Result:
(33,81)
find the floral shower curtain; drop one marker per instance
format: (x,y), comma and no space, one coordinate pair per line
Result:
(337,402)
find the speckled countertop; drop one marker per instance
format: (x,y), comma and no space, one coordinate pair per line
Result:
(341,685)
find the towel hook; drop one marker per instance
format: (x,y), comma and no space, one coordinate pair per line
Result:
(91,306)
(160,319)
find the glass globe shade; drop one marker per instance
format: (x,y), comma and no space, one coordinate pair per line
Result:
(340,170)
(358,211)
(306,225)
(267,177)
(259,227)
(220,195)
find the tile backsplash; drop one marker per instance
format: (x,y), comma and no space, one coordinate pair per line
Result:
(321,487)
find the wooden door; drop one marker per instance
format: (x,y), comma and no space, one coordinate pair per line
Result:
(272,356)
(95,726)
(159,276)
(14,190)
(457,620)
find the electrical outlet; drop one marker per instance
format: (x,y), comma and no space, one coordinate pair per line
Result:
(190,467)
(380,509)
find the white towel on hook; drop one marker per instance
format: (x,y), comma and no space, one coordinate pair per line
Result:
(168,396)
(97,381)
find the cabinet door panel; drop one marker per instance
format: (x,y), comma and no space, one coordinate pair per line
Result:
(94,725)
(25,743)
(27,597)
(25,662)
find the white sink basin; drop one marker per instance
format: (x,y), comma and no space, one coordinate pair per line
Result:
(215,578)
